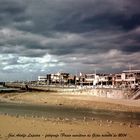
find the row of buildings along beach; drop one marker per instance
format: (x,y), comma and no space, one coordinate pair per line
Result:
(124,85)
(125,79)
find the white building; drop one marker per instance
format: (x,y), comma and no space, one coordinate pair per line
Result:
(94,79)
(127,78)
(42,78)
(59,77)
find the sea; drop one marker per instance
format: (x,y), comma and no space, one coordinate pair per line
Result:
(7,90)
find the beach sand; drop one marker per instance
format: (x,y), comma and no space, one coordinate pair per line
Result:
(50,98)
(13,128)
(28,128)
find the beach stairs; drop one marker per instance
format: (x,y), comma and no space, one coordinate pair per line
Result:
(136,94)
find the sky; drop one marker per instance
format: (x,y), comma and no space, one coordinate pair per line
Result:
(48,36)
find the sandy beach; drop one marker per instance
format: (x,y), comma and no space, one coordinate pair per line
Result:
(50,98)
(28,128)
(18,128)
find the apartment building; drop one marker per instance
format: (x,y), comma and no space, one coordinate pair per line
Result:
(127,78)
(96,79)
(61,78)
(42,78)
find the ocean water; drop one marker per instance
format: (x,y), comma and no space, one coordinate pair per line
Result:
(1,87)
(5,89)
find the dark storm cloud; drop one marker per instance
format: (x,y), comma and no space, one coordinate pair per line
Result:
(10,7)
(24,50)
(131,49)
(106,20)
(72,17)
(81,16)
(65,16)
(12,11)
(80,33)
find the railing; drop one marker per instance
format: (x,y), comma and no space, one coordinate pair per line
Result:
(136,94)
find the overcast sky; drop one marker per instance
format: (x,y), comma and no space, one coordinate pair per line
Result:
(46,36)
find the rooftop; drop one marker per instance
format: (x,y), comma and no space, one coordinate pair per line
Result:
(131,71)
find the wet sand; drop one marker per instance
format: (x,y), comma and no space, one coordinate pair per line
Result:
(50,98)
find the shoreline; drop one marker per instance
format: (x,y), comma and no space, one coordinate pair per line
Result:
(79,101)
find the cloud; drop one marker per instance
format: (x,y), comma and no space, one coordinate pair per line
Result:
(48,36)
(12,11)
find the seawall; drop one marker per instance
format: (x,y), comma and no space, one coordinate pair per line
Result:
(103,92)
(99,92)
